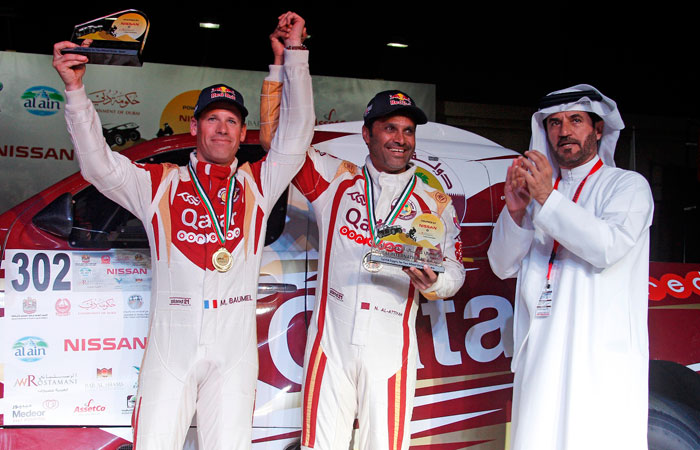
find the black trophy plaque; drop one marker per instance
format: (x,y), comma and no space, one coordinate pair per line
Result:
(117,39)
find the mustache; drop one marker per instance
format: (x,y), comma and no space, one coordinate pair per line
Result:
(566,140)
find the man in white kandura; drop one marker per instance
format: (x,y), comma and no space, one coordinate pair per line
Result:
(575,231)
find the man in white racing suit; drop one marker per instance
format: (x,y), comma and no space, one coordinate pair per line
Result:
(206,227)
(361,350)
(575,231)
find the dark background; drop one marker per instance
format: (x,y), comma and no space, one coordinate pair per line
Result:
(492,53)
(644,58)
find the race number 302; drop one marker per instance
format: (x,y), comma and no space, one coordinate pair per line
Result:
(41,271)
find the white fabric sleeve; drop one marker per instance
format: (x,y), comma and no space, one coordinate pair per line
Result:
(623,217)
(510,244)
(276,73)
(296,125)
(448,282)
(113,174)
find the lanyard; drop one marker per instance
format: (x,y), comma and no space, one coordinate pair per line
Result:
(393,214)
(593,170)
(210,208)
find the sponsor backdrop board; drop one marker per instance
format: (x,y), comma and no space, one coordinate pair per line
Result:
(73,335)
(136,104)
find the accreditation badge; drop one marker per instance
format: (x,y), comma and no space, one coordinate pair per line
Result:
(421,245)
(544,304)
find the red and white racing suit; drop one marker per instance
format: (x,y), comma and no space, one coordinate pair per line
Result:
(361,349)
(201,353)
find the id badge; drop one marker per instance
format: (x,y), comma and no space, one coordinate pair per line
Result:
(544,305)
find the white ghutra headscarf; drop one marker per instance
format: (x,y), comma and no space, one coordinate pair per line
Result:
(582,97)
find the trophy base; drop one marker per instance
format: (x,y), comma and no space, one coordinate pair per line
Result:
(112,56)
(404,262)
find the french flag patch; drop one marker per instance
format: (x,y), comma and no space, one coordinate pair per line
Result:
(213,304)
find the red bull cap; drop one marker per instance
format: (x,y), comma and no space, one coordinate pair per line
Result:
(219,93)
(387,103)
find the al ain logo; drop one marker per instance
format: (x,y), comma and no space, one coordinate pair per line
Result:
(30,348)
(42,100)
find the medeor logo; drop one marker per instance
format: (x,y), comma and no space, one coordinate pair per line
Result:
(42,100)
(30,349)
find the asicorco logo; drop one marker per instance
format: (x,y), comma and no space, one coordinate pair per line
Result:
(30,348)
(42,100)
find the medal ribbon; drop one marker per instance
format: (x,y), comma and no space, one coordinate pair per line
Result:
(201,193)
(593,170)
(394,213)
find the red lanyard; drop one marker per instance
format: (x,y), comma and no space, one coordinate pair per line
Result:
(594,169)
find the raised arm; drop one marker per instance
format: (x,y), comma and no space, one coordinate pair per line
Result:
(112,174)
(294,129)
(513,232)
(271,95)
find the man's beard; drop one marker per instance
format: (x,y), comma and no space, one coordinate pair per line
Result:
(569,160)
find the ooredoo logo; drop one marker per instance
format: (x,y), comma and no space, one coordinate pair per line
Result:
(674,285)
(30,348)
(352,235)
(42,100)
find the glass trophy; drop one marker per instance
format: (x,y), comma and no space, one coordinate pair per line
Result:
(117,39)
(422,244)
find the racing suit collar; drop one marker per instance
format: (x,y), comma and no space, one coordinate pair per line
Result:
(393,181)
(383,177)
(212,170)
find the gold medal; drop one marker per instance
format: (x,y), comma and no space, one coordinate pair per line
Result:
(222,260)
(369,265)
